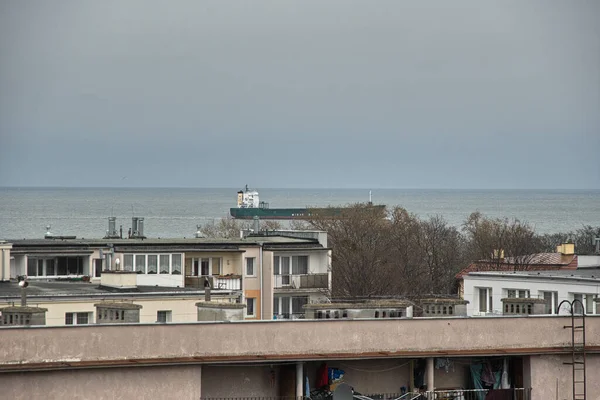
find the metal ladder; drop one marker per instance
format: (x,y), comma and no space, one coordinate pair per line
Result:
(578,356)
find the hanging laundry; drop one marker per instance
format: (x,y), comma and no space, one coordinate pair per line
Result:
(322,376)
(444,363)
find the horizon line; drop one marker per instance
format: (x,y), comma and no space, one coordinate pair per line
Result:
(293,188)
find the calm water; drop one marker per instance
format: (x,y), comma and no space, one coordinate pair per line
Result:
(25,212)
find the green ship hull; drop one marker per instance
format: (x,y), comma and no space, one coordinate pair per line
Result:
(287,213)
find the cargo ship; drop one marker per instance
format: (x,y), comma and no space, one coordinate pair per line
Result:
(249,206)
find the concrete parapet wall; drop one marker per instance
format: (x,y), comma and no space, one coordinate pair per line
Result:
(290,340)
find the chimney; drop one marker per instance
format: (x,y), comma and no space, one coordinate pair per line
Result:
(566,249)
(256,224)
(137,227)
(498,254)
(111,233)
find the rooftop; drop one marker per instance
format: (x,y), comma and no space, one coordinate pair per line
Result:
(57,289)
(79,245)
(589,274)
(539,261)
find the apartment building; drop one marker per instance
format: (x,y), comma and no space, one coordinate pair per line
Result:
(274,275)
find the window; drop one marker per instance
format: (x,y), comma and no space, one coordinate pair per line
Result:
(298,303)
(275,305)
(152,263)
(80,318)
(587,300)
(163,316)
(204,266)
(128,262)
(83,318)
(31,266)
(40,268)
(50,271)
(276,270)
(97,267)
(176,264)
(216,266)
(164,263)
(282,267)
(250,304)
(140,263)
(300,265)
(514,293)
(74,266)
(285,307)
(61,266)
(551,299)
(485,300)
(250,266)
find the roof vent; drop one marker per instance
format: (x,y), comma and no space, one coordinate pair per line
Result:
(137,228)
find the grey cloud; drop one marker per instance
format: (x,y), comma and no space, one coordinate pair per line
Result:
(342,93)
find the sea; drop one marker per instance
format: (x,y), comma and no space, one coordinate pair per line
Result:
(176,212)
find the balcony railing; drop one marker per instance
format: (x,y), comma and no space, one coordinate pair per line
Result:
(289,316)
(304,281)
(470,394)
(218,282)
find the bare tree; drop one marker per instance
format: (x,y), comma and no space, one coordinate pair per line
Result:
(405,231)
(583,238)
(224,228)
(359,237)
(270,225)
(440,250)
(501,242)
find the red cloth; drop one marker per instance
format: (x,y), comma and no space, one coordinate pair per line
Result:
(322,376)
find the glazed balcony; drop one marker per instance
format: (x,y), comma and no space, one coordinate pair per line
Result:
(303,281)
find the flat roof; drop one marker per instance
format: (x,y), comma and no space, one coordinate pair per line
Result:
(78,244)
(60,289)
(589,274)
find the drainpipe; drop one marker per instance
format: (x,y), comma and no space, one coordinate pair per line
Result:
(2,265)
(260,263)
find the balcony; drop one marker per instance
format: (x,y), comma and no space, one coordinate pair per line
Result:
(305,281)
(218,282)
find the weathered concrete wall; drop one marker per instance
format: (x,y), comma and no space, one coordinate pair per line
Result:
(220,314)
(457,377)
(167,382)
(222,381)
(549,375)
(289,340)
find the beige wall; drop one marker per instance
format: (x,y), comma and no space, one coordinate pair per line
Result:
(252,282)
(183,309)
(173,382)
(549,374)
(288,340)
(245,381)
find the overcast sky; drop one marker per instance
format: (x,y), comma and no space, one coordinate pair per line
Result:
(377,94)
